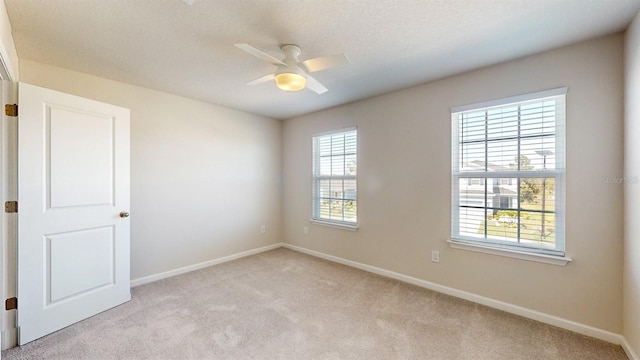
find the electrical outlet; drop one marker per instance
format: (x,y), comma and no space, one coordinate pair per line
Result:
(435,256)
(263,229)
(305,230)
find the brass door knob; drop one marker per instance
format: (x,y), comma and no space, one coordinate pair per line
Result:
(124,214)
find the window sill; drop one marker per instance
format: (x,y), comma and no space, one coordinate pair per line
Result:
(542,258)
(343,226)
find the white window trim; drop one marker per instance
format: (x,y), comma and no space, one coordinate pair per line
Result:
(523,255)
(336,223)
(553,257)
(331,132)
(512,99)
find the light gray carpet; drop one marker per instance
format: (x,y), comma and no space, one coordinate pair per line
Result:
(285,305)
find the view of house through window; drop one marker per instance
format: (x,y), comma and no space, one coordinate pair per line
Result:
(508,173)
(335,166)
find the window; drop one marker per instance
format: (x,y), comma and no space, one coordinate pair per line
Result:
(515,147)
(335,166)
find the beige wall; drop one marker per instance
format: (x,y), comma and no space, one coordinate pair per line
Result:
(204,178)
(631,308)
(404,184)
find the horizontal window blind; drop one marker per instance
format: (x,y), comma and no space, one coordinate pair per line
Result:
(335,167)
(508,166)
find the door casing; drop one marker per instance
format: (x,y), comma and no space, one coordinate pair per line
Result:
(8,225)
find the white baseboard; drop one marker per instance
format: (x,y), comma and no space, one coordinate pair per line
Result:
(510,308)
(629,350)
(186,269)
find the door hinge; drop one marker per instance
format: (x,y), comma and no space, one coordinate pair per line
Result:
(11,109)
(11,303)
(11,206)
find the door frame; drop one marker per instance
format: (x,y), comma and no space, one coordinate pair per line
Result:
(9,76)
(9,224)
(8,187)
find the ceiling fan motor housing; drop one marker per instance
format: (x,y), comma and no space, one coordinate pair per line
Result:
(291,76)
(291,53)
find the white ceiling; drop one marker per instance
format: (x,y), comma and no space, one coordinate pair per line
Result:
(188,50)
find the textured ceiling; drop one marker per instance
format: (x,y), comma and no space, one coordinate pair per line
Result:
(188,50)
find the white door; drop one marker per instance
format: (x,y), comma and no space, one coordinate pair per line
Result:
(73,199)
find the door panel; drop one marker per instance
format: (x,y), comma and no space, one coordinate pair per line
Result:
(67,132)
(73,247)
(78,262)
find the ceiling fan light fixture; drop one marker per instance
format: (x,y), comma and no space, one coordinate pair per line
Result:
(290,81)
(293,74)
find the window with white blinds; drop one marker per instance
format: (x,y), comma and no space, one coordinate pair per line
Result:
(335,167)
(508,169)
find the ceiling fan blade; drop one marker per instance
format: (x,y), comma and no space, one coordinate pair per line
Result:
(259,54)
(315,86)
(260,80)
(325,62)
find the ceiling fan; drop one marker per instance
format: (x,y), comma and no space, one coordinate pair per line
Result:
(291,73)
